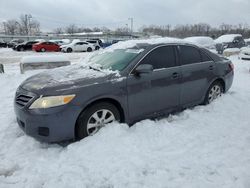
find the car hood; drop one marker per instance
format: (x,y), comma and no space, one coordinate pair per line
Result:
(66,78)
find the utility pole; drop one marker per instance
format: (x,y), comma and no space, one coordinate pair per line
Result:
(131,25)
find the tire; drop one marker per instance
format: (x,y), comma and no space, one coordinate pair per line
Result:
(87,125)
(69,50)
(97,48)
(214,91)
(43,50)
(21,49)
(89,49)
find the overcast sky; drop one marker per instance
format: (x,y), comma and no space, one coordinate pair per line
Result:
(115,13)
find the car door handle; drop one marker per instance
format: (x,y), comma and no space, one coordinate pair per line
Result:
(175,75)
(211,67)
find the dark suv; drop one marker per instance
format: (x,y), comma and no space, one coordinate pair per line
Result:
(145,81)
(229,41)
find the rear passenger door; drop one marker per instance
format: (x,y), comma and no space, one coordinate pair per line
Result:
(154,93)
(197,70)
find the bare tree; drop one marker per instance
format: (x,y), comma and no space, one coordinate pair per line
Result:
(11,27)
(71,29)
(28,25)
(58,30)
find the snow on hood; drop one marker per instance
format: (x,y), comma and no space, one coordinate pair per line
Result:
(227,38)
(66,75)
(245,50)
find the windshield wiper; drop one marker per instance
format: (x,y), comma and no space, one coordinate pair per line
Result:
(97,69)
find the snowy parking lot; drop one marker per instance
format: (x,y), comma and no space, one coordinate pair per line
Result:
(203,147)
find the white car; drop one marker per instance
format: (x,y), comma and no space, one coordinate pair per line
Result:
(245,53)
(95,43)
(78,47)
(203,41)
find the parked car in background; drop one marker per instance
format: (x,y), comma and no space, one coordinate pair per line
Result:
(24,46)
(14,42)
(247,41)
(46,46)
(3,44)
(203,41)
(153,81)
(77,47)
(245,53)
(95,43)
(61,42)
(229,41)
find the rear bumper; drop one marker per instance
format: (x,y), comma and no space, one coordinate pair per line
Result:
(229,80)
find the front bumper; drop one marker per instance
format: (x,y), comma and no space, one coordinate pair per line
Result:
(48,125)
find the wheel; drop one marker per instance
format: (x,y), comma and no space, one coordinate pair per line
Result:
(69,50)
(43,50)
(94,118)
(214,91)
(97,48)
(89,49)
(21,49)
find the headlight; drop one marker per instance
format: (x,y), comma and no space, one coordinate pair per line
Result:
(52,101)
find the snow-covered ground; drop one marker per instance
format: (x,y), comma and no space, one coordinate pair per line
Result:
(203,147)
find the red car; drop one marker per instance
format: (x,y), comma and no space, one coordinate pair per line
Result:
(46,46)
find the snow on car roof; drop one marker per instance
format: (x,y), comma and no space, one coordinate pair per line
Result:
(227,38)
(133,43)
(200,40)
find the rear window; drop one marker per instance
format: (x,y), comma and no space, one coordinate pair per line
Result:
(189,55)
(205,57)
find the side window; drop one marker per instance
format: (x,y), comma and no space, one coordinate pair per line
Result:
(162,57)
(205,57)
(189,55)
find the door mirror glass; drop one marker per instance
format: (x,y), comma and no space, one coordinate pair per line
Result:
(144,69)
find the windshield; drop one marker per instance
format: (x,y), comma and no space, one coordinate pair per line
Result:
(116,60)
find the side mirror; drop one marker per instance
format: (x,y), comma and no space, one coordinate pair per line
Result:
(144,69)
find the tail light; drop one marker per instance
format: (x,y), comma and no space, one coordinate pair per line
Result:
(231,66)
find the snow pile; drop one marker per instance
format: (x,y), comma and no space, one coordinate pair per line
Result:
(232,50)
(226,38)
(206,42)
(47,58)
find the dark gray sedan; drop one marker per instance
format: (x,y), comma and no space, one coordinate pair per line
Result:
(144,81)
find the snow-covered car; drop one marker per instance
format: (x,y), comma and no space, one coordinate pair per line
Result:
(247,41)
(77,47)
(203,41)
(245,53)
(229,41)
(14,42)
(3,44)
